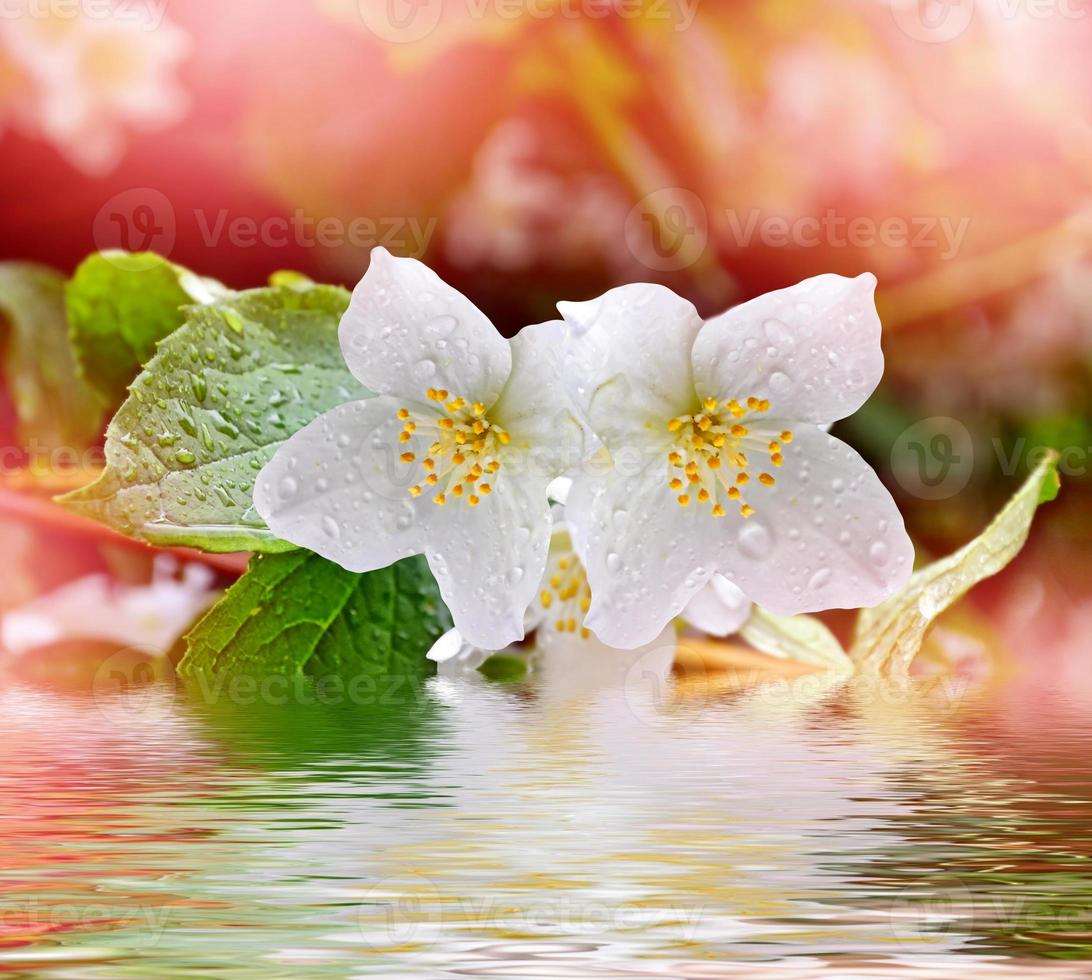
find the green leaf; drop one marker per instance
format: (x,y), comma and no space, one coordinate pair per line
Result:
(220,395)
(297,613)
(120,305)
(889,636)
(804,639)
(504,668)
(53,405)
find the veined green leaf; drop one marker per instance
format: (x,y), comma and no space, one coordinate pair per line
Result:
(52,403)
(120,305)
(301,614)
(804,639)
(889,636)
(210,408)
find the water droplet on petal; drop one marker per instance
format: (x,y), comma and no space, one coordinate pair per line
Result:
(614,562)
(878,554)
(755,541)
(819,579)
(424,369)
(331,527)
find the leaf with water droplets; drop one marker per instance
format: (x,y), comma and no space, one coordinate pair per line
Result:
(223,418)
(120,305)
(889,636)
(299,614)
(53,406)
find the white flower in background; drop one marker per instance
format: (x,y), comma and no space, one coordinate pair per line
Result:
(97,607)
(452,459)
(94,76)
(721,461)
(556,616)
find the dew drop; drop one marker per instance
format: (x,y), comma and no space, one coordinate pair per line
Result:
(440,326)
(424,369)
(779,381)
(331,527)
(755,541)
(288,487)
(819,579)
(614,562)
(878,554)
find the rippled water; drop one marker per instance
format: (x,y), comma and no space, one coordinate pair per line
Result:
(548,831)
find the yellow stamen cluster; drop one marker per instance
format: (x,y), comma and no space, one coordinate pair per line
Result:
(566,595)
(712,455)
(464,454)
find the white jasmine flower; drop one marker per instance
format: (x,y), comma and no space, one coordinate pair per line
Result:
(721,459)
(452,459)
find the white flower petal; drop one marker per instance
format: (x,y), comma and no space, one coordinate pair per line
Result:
(535,408)
(645,556)
(447,647)
(559,489)
(827,535)
(627,360)
(813,349)
(406,331)
(488,559)
(719,608)
(337,488)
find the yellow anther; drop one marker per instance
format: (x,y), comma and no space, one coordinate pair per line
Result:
(432,479)
(703,495)
(691,467)
(445,423)
(774,447)
(674,459)
(572,625)
(753,403)
(478,426)
(710,405)
(697,441)
(693,477)
(493,466)
(718,511)
(403,413)
(764,405)
(458,458)
(675,484)
(555,581)
(478,445)
(719,439)
(563,564)
(431,393)
(456,405)
(415,491)
(441,394)
(407,457)
(409,427)
(677,423)
(457,490)
(777,459)
(470,478)
(546,598)
(585,604)
(746,510)
(460,437)
(478,408)
(713,462)
(504,437)
(684,499)
(733,493)
(766,479)
(560,626)
(428,463)
(738,431)
(439,499)
(485,488)
(742,478)
(473,500)
(786,436)
(703,422)
(584,632)
(404,437)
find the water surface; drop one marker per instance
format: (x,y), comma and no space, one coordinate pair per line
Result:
(550,830)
